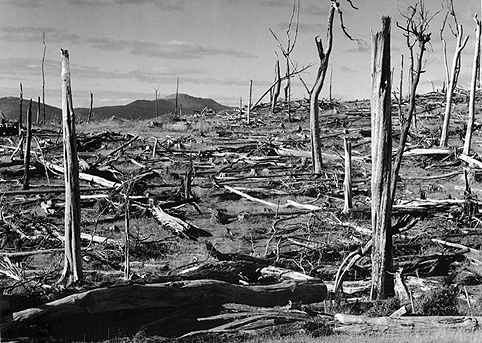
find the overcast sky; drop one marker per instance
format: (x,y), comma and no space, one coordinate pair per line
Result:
(121,49)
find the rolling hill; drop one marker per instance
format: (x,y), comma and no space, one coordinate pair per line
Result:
(139,109)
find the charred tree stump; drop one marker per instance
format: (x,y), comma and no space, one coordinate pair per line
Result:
(73,259)
(382,283)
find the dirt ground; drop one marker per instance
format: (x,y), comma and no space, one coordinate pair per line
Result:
(199,160)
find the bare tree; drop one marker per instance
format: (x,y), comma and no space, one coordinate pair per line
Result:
(291,68)
(314,93)
(417,23)
(454,75)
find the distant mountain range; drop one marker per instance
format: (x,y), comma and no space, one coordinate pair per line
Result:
(139,109)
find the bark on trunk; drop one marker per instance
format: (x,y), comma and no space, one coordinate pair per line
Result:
(195,297)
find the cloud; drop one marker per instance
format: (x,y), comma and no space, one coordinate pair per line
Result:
(170,50)
(168,5)
(34,34)
(24,3)
(345,69)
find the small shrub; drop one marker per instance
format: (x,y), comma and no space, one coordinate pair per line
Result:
(439,302)
(383,308)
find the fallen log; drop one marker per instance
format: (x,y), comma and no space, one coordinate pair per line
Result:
(82,176)
(180,227)
(426,152)
(364,324)
(196,295)
(289,203)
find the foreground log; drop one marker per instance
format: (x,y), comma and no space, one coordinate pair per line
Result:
(105,311)
(363,324)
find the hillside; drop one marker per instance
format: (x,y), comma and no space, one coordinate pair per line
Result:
(10,107)
(145,109)
(139,109)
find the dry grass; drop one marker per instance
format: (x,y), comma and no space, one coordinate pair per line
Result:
(443,336)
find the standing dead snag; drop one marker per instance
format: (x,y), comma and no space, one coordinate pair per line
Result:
(382,283)
(451,86)
(324,56)
(28,140)
(20,113)
(43,75)
(73,260)
(473,87)
(277,88)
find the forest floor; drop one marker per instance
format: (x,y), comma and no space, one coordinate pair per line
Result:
(248,193)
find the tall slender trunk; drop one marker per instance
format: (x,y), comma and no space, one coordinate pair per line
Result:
(315,92)
(473,87)
(73,260)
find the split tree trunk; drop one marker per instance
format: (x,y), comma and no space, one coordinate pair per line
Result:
(382,282)
(73,259)
(473,87)
(451,86)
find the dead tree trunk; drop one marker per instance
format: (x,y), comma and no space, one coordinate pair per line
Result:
(177,99)
(248,114)
(277,87)
(315,92)
(43,75)
(473,87)
(90,109)
(38,111)
(382,283)
(26,161)
(347,184)
(451,86)
(127,269)
(20,112)
(73,259)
